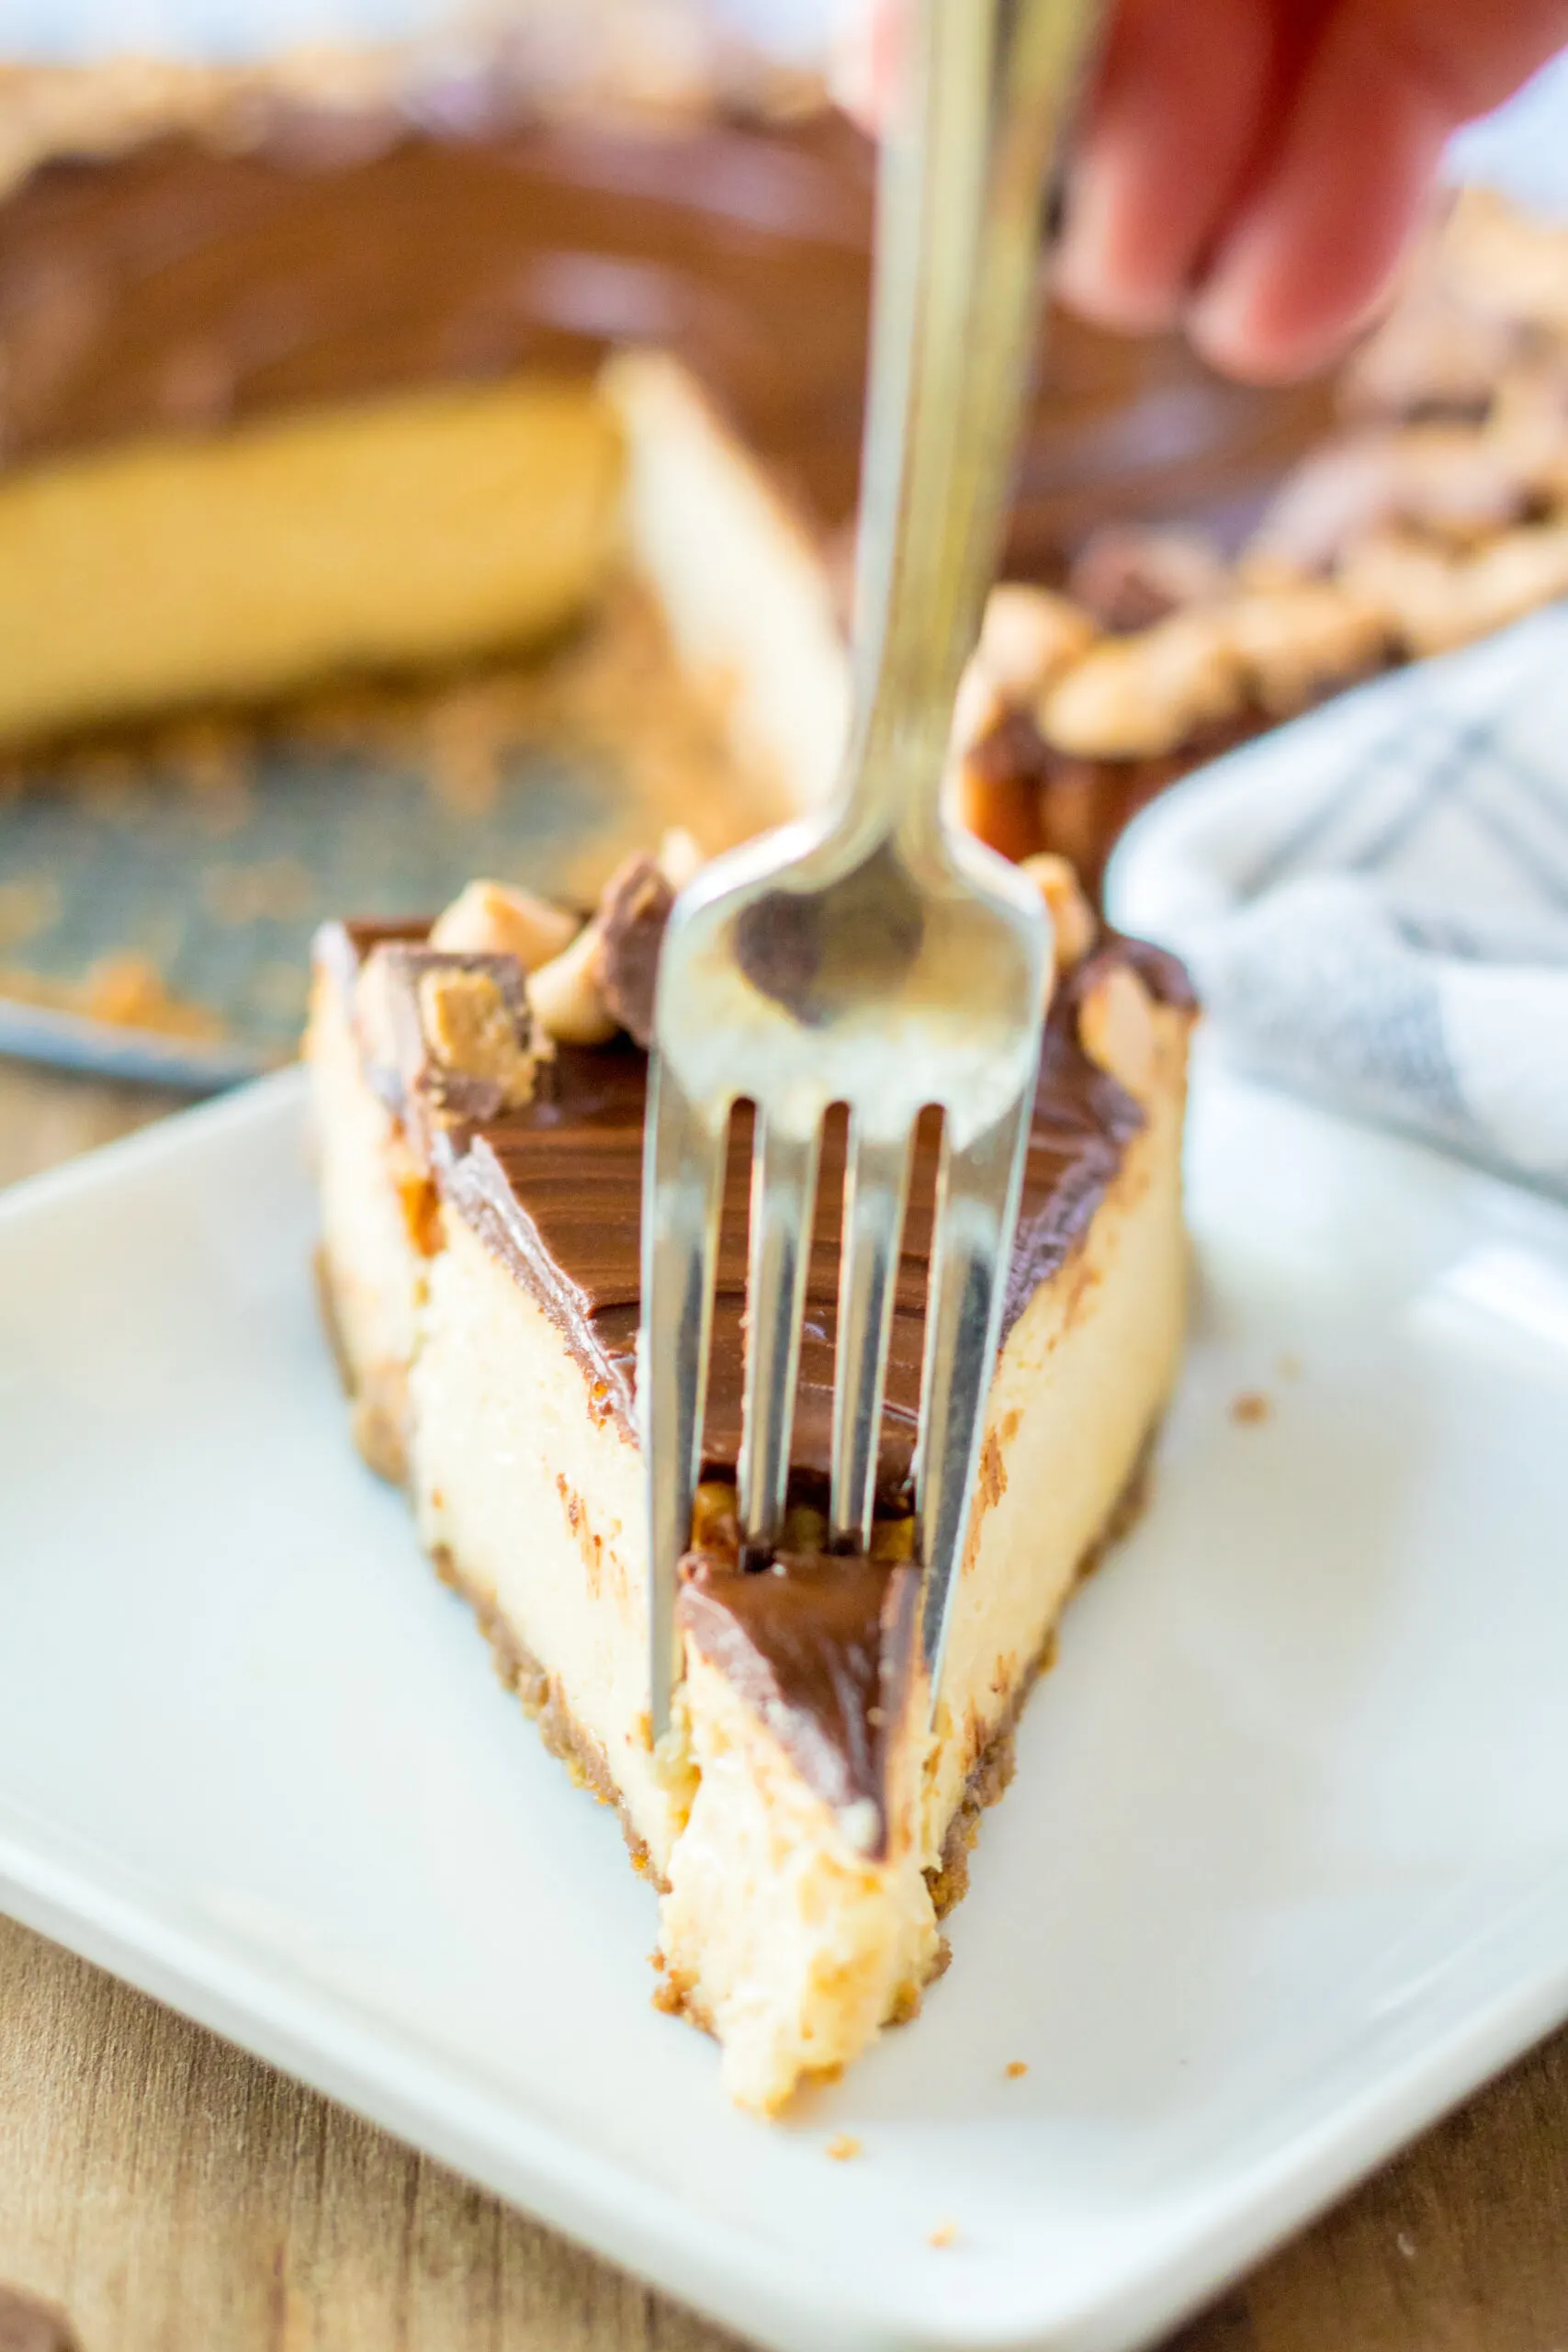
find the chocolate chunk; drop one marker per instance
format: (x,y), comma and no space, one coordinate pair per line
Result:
(28,2325)
(632,915)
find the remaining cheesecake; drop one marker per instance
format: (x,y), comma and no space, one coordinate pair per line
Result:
(303,377)
(301,360)
(1436,511)
(480,1134)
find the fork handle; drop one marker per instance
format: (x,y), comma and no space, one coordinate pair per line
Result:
(961,209)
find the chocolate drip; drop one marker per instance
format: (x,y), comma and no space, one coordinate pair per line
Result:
(178,288)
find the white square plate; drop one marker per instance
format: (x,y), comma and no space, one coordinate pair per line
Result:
(1285,1870)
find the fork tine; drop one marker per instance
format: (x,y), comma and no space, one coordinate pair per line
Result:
(977,1202)
(684,1184)
(876,1181)
(783,1190)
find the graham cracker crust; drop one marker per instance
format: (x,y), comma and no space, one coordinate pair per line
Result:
(377,1432)
(542,1696)
(332,1321)
(993,1771)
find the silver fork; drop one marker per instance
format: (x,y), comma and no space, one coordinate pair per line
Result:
(875,957)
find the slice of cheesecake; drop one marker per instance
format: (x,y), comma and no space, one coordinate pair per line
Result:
(480,1136)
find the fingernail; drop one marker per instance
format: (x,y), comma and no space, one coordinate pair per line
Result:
(1230,339)
(1217,319)
(1086,269)
(1234,323)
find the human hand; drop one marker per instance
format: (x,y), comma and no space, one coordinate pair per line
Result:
(1250,170)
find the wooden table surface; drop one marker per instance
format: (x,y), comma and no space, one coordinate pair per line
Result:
(176,2196)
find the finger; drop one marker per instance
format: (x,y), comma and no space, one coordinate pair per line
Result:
(1318,236)
(1316,247)
(1171,128)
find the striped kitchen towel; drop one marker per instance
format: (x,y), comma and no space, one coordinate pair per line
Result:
(1373,900)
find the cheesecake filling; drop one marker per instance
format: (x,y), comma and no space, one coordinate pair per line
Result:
(423,528)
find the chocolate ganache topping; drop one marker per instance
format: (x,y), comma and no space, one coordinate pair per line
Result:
(555,1190)
(182,287)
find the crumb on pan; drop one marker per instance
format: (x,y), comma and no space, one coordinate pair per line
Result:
(127,991)
(274,889)
(27,905)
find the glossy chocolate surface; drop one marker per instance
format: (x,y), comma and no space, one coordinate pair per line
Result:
(180,288)
(555,1192)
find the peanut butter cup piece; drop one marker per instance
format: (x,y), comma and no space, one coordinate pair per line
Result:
(451,1036)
